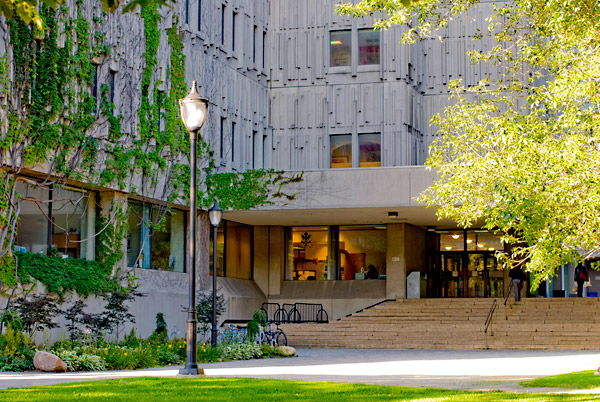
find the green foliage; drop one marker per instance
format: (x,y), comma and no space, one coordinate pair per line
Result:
(241,351)
(77,361)
(271,351)
(16,351)
(37,312)
(160,333)
(116,312)
(64,275)
(204,311)
(259,318)
(519,151)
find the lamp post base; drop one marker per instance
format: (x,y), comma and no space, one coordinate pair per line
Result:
(192,370)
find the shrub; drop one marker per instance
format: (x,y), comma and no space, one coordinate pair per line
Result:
(16,351)
(241,351)
(79,361)
(270,351)
(37,312)
(208,354)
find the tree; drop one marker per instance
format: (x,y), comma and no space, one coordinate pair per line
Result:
(27,10)
(519,153)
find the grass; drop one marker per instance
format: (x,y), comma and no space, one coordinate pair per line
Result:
(249,389)
(577,380)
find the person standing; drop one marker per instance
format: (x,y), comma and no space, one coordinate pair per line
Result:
(581,276)
(518,276)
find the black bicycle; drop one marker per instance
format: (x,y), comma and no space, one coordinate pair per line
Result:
(274,337)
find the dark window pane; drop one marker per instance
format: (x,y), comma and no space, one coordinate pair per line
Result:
(370,150)
(341,151)
(368,47)
(341,48)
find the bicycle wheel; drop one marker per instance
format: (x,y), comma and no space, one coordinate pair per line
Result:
(280,338)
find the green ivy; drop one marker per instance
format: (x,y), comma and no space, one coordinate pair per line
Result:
(64,275)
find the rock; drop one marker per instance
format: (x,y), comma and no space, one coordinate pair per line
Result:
(45,361)
(287,350)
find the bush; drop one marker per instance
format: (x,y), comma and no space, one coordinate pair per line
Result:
(241,351)
(79,361)
(270,351)
(208,354)
(16,351)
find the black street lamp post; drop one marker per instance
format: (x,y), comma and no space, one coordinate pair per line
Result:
(214,214)
(193,110)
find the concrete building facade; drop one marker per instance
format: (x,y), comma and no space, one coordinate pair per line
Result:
(295,87)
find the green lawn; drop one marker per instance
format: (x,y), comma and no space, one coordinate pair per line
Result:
(241,389)
(579,380)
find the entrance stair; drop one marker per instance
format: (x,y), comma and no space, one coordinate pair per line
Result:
(532,323)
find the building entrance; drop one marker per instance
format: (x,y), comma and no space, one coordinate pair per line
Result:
(463,265)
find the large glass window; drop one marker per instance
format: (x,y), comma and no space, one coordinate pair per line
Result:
(341,151)
(156,238)
(370,150)
(368,47)
(363,252)
(234,250)
(336,253)
(341,48)
(62,216)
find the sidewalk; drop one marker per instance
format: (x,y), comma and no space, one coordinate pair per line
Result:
(451,369)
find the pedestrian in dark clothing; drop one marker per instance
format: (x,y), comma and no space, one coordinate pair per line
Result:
(518,276)
(581,276)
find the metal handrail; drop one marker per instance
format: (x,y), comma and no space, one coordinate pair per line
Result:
(510,286)
(488,320)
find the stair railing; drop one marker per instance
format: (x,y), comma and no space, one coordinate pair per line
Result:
(510,287)
(488,320)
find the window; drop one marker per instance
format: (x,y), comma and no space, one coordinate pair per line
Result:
(232,141)
(199,15)
(336,253)
(221,137)
(254,45)
(156,239)
(234,250)
(341,48)
(264,50)
(72,213)
(187,11)
(341,151)
(368,47)
(370,150)
(223,25)
(369,146)
(233,21)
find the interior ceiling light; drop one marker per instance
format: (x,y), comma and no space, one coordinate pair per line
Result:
(455,236)
(491,248)
(480,245)
(469,241)
(336,42)
(448,248)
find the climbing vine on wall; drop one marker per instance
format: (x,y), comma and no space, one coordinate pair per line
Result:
(53,123)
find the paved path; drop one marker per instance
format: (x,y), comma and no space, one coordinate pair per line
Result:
(456,369)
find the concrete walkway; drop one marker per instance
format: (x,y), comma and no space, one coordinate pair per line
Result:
(451,369)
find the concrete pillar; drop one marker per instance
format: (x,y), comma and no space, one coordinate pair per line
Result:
(276,260)
(261,257)
(115,203)
(396,261)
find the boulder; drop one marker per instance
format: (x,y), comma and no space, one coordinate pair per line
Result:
(45,361)
(287,350)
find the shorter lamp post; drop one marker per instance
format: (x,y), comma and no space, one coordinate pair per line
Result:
(193,110)
(214,214)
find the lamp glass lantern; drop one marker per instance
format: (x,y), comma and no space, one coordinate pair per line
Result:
(193,109)
(215,214)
